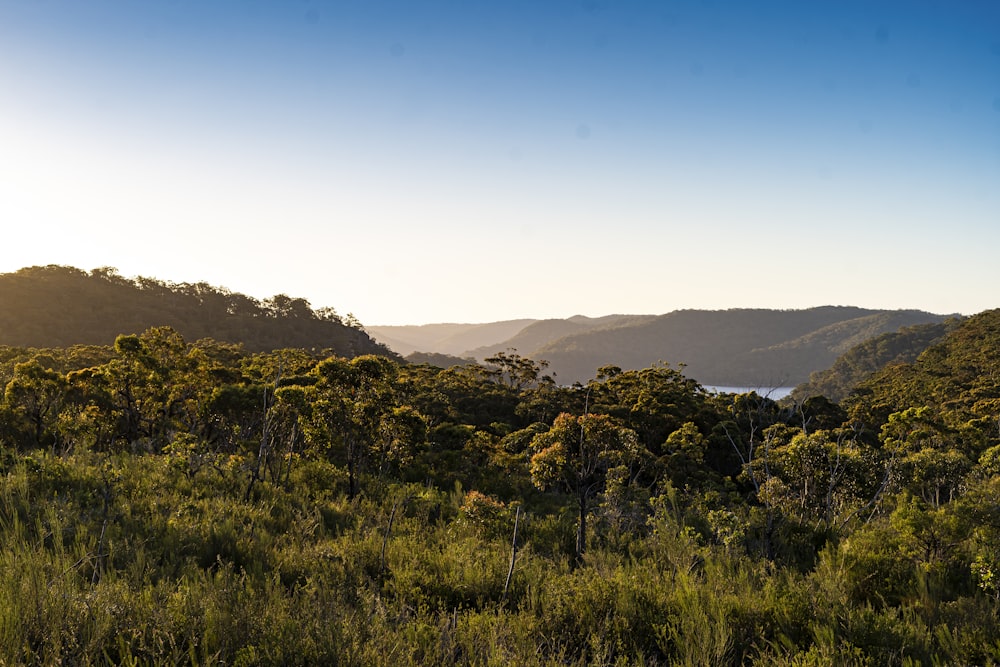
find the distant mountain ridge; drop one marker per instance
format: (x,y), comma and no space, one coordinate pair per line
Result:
(737,347)
(482,340)
(539,334)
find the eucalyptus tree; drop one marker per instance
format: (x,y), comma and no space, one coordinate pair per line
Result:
(354,415)
(654,402)
(576,455)
(922,456)
(515,371)
(35,395)
(823,477)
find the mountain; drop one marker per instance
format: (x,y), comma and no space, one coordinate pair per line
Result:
(59,306)
(739,347)
(538,334)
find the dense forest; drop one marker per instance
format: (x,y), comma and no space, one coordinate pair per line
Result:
(166,500)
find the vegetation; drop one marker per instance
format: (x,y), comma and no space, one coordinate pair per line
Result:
(165,501)
(868,357)
(544,332)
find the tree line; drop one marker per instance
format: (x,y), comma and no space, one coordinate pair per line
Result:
(61,306)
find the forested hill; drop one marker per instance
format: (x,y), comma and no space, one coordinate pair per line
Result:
(59,306)
(739,347)
(957,377)
(865,359)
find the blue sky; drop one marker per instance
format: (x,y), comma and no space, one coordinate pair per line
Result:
(470,161)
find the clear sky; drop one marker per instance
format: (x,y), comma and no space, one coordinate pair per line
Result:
(472,160)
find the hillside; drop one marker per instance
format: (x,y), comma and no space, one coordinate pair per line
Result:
(538,334)
(866,358)
(59,306)
(740,347)
(822,347)
(437,359)
(956,375)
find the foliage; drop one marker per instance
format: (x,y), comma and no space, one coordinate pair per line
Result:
(163,501)
(863,360)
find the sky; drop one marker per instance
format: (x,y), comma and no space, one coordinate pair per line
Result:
(470,161)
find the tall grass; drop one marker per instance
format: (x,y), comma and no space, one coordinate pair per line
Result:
(134,560)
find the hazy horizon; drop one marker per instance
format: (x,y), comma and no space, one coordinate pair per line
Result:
(417,163)
(467,323)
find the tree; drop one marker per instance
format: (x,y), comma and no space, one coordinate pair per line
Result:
(282,305)
(682,463)
(749,433)
(922,457)
(576,455)
(36,394)
(353,412)
(237,415)
(397,432)
(87,416)
(515,371)
(460,395)
(159,385)
(823,474)
(654,402)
